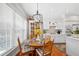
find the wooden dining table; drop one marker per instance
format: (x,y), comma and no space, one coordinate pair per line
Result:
(36,45)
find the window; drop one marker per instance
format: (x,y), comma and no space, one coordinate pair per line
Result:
(12,25)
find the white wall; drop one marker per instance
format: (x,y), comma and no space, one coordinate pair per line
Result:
(6,15)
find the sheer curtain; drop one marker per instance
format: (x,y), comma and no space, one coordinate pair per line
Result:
(12,25)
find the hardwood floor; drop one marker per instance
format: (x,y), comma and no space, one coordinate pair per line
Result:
(57,52)
(61,46)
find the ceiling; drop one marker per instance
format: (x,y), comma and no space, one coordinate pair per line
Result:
(51,11)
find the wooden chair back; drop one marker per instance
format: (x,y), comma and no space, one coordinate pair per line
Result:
(19,45)
(21,53)
(47,48)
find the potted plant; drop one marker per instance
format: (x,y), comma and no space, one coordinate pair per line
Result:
(76,32)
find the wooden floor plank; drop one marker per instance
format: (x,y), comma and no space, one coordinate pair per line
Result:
(57,52)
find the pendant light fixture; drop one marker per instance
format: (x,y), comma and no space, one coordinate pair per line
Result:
(38,17)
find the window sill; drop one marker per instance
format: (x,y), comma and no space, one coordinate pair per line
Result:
(8,52)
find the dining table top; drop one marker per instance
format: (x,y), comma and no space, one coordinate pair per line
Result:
(36,44)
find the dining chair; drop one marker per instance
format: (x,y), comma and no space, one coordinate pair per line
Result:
(21,53)
(47,48)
